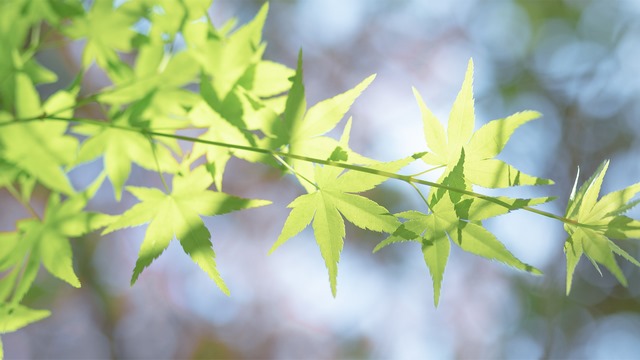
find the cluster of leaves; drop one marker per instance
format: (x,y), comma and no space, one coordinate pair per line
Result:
(244,107)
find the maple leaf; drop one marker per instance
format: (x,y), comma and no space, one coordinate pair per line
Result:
(456,213)
(159,76)
(121,148)
(19,69)
(595,221)
(39,148)
(13,317)
(108,29)
(333,198)
(481,147)
(46,241)
(242,93)
(220,130)
(167,17)
(303,130)
(178,215)
(458,217)
(226,59)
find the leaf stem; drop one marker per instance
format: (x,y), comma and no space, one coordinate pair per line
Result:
(155,158)
(420,193)
(428,170)
(14,192)
(284,163)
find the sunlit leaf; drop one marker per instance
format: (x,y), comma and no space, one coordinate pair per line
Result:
(42,148)
(332,199)
(304,130)
(15,317)
(480,147)
(178,214)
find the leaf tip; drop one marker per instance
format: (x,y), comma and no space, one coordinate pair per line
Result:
(223,287)
(377,248)
(134,276)
(260,202)
(470,64)
(419,155)
(532,270)
(417,95)
(541,181)
(535,114)
(273,248)
(436,299)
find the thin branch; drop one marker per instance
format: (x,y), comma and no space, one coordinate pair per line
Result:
(405,178)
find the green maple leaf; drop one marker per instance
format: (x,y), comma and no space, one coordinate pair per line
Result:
(595,221)
(167,17)
(267,79)
(241,104)
(15,317)
(159,76)
(46,241)
(458,217)
(303,130)
(19,70)
(481,147)
(468,157)
(220,130)
(178,215)
(108,30)
(121,148)
(334,198)
(40,148)
(226,59)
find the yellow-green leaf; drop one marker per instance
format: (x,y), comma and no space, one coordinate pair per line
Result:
(178,215)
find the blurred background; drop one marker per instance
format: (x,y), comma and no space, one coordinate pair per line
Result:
(576,61)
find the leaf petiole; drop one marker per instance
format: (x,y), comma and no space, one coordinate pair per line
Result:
(428,170)
(424,199)
(284,163)
(14,192)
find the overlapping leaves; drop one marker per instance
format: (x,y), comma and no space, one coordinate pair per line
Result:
(303,131)
(456,212)
(480,147)
(457,217)
(41,149)
(120,148)
(42,241)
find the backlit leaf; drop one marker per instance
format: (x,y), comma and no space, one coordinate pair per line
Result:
(178,215)
(332,199)
(480,147)
(593,222)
